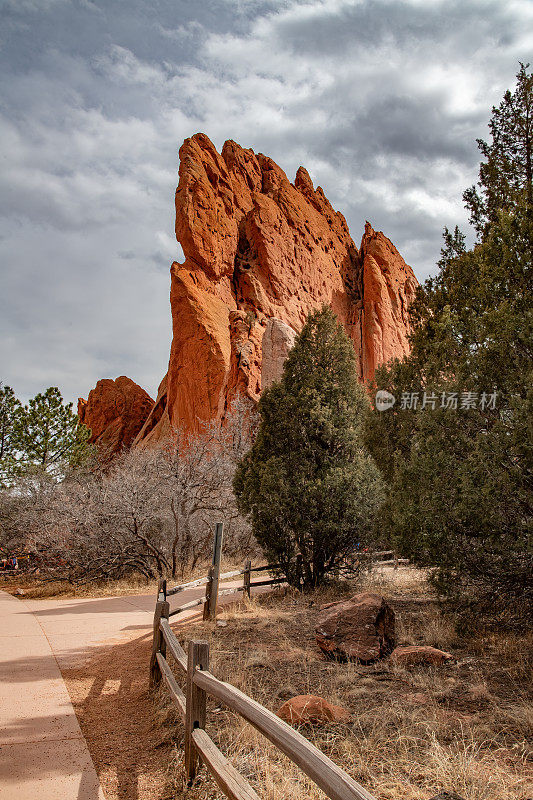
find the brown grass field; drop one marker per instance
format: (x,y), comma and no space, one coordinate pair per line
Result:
(461,727)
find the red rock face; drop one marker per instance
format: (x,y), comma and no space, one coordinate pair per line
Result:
(259,247)
(388,287)
(115,412)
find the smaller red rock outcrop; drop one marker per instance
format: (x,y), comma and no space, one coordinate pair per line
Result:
(157,424)
(305,709)
(414,655)
(115,412)
(360,629)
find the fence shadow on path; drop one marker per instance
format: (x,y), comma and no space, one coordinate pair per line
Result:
(110,695)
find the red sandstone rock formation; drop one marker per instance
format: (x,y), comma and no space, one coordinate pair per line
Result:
(115,412)
(277,343)
(259,247)
(388,287)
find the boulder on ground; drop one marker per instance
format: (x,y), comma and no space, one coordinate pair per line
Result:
(415,655)
(310,709)
(447,796)
(360,629)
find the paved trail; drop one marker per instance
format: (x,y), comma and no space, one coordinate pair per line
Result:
(43,755)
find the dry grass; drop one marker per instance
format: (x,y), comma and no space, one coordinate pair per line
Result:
(133,584)
(35,589)
(413,733)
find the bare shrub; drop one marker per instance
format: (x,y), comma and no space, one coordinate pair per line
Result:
(149,511)
(197,474)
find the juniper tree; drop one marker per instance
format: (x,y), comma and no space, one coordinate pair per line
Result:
(308,484)
(461,479)
(506,174)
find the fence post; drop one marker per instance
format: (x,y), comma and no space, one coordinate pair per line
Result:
(197,657)
(162,589)
(299,567)
(159,645)
(395,560)
(208,592)
(246,580)
(210,608)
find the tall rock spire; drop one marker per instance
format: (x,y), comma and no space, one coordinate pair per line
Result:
(258,247)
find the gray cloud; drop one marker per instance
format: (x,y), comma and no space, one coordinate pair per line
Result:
(382,101)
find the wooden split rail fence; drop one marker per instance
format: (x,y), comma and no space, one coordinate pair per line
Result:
(386,557)
(200,682)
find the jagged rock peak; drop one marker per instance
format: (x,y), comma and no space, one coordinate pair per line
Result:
(258,248)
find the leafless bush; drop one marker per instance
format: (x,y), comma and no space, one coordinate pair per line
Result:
(150,511)
(197,471)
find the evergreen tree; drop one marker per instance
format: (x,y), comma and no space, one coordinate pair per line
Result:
(49,437)
(309,486)
(507,173)
(461,478)
(9,417)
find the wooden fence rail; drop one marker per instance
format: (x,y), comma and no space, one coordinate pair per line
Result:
(191,706)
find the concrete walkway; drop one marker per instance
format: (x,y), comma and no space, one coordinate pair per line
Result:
(43,755)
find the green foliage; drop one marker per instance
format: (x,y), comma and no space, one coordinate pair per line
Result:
(10,409)
(49,437)
(43,437)
(505,177)
(309,486)
(461,480)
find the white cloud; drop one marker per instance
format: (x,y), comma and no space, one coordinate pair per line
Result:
(381,101)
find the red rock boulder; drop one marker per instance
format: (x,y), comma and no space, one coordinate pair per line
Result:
(360,629)
(308,709)
(414,655)
(115,412)
(447,796)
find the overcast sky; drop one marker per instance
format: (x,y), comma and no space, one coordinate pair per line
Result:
(381,100)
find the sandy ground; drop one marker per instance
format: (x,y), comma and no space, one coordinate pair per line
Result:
(116,714)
